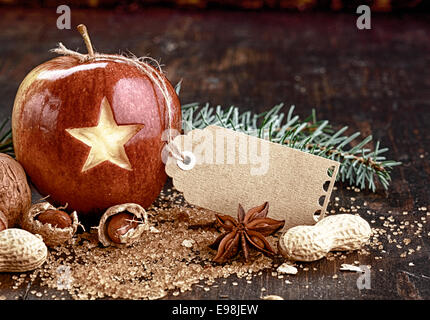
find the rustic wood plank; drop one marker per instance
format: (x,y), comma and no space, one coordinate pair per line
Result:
(374,81)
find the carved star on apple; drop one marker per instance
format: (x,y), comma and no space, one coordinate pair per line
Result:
(106,139)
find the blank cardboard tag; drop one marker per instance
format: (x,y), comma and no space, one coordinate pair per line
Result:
(223,168)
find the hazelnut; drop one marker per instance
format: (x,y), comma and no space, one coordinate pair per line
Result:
(56,218)
(120,224)
(55,226)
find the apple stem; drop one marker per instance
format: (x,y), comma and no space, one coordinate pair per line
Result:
(84,33)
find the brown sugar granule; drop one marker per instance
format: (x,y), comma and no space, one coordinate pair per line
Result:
(173,255)
(157,263)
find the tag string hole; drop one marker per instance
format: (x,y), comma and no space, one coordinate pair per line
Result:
(187,160)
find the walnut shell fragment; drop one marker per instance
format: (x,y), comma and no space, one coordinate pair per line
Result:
(132,234)
(15,195)
(52,236)
(3,221)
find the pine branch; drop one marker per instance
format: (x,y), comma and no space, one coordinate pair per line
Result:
(359,166)
(6,145)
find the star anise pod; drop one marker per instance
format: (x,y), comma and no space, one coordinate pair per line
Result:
(249,230)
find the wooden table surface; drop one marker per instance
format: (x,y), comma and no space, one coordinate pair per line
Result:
(376,81)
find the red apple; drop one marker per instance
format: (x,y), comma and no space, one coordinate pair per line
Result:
(89,134)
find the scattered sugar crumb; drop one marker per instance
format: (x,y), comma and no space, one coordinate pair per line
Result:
(287,269)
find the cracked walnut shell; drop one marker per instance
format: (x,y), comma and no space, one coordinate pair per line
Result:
(3,221)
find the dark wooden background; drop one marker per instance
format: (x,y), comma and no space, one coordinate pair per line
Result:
(376,81)
(296,5)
